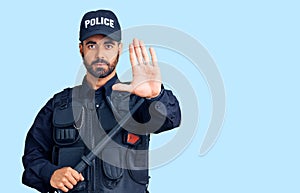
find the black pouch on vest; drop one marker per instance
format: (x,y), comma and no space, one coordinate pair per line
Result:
(65,121)
(137,162)
(112,166)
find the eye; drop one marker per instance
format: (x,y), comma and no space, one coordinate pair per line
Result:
(91,46)
(108,46)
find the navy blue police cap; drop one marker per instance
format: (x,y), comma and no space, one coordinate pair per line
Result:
(103,22)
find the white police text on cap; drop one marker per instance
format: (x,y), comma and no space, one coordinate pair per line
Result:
(99,21)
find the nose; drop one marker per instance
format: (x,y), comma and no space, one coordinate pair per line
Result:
(100,53)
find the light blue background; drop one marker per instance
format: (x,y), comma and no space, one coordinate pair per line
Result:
(254,43)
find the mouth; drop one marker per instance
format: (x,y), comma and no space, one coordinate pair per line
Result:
(99,65)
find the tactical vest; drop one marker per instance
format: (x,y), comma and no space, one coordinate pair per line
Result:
(123,164)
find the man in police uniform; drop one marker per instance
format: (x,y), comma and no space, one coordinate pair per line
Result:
(61,134)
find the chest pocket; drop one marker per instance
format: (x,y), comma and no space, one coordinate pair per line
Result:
(66,122)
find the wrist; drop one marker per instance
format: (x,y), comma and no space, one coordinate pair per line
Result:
(157,96)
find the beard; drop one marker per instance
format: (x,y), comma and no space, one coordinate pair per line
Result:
(100,72)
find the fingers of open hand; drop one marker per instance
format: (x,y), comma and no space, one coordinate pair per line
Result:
(65,178)
(132,55)
(138,51)
(153,56)
(144,53)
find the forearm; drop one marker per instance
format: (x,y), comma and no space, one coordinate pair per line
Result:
(167,106)
(161,113)
(37,175)
(37,166)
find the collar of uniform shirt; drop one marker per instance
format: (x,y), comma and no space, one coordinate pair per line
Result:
(87,90)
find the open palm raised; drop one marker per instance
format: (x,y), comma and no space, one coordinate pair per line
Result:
(146,73)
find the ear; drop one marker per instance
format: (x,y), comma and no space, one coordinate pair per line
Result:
(120,48)
(81,49)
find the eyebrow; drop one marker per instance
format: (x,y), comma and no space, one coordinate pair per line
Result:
(90,42)
(110,42)
(106,42)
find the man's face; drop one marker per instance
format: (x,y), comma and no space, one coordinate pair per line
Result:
(100,55)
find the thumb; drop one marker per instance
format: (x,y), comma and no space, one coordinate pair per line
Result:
(122,87)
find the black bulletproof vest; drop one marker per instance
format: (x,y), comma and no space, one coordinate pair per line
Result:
(79,124)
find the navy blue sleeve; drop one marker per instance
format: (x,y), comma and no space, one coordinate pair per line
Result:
(38,149)
(161,113)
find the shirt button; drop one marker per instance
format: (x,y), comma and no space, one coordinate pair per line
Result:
(97,105)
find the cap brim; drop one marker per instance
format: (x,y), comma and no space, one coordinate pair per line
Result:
(115,36)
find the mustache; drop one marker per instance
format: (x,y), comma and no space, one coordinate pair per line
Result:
(100,60)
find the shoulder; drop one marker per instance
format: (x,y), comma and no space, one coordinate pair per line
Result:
(61,95)
(64,96)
